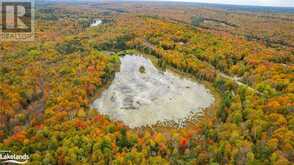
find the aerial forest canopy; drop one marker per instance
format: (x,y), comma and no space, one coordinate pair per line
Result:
(47,86)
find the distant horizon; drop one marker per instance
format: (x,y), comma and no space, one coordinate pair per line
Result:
(261,3)
(291,4)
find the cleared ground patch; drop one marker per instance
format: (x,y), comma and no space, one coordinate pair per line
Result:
(144,98)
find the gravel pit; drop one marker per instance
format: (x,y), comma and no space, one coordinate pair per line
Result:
(141,95)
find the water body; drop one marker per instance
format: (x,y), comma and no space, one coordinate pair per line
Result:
(144,97)
(96,22)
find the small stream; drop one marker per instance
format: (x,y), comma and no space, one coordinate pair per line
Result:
(141,95)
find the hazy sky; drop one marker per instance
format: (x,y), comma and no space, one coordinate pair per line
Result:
(280,3)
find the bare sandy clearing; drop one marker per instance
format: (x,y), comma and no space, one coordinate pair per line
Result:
(146,98)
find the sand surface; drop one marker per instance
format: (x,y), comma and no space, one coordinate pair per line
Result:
(144,99)
(96,22)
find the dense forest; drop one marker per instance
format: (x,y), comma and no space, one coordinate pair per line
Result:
(47,86)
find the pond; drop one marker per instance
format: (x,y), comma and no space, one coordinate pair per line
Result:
(141,95)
